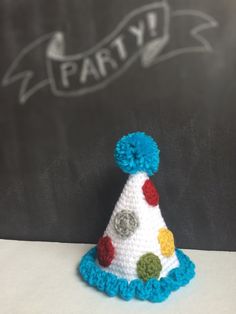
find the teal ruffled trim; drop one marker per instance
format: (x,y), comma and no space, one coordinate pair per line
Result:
(152,290)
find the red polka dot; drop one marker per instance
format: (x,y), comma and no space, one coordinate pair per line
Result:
(105,251)
(150,193)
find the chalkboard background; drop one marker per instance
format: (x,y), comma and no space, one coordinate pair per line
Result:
(58,179)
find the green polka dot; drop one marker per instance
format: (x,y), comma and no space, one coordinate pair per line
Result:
(149,266)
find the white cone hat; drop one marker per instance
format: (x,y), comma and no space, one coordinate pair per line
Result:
(137,249)
(137,228)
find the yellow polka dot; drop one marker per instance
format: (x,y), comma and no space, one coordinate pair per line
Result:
(166,240)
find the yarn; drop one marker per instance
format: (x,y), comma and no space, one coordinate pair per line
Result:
(131,260)
(149,266)
(166,240)
(125,223)
(150,193)
(137,152)
(129,250)
(105,251)
(153,290)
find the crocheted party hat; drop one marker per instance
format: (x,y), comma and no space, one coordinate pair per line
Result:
(136,256)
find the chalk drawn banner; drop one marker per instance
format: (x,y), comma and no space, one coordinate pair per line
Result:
(143,34)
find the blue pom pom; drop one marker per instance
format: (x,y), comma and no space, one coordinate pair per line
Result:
(137,152)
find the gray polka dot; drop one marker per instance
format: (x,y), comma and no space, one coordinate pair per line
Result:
(125,223)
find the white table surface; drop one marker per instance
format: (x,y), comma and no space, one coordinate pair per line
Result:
(40,277)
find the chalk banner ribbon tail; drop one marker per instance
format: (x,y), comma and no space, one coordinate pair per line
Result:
(143,34)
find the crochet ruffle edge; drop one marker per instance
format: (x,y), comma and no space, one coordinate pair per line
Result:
(152,290)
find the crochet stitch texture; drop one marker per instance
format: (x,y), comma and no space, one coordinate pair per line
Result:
(136,256)
(125,223)
(144,238)
(149,266)
(105,251)
(166,239)
(152,290)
